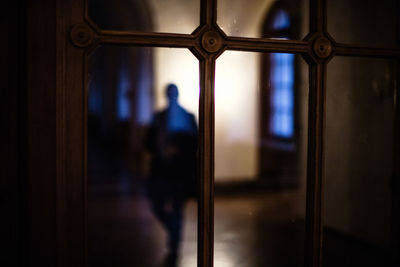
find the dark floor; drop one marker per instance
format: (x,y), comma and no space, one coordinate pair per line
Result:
(340,249)
(250,230)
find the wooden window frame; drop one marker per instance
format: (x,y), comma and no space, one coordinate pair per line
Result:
(77,36)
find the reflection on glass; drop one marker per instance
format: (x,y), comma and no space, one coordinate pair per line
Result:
(360,220)
(261,105)
(363,22)
(270,19)
(175,16)
(142,144)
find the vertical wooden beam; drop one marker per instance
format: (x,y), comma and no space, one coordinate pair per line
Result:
(315,168)
(206,152)
(208,12)
(318,16)
(396,158)
(316,119)
(71,107)
(61,207)
(13,147)
(41,133)
(206,145)
(395,181)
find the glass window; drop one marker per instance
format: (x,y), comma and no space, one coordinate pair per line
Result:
(260,185)
(142,160)
(282,95)
(359,213)
(175,16)
(363,22)
(233,18)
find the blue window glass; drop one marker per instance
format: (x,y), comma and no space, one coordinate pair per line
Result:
(95,100)
(282,85)
(281,20)
(123,104)
(282,98)
(144,107)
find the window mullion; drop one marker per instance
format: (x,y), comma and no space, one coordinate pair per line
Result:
(315,166)
(206,158)
(318,16)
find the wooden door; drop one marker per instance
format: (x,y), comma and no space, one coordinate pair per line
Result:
(57,108)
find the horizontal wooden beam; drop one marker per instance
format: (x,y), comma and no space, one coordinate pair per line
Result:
(365,51)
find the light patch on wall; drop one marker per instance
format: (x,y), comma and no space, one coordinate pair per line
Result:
(181,67)
(234,20)
(236,105)
(177,16)
(224,256)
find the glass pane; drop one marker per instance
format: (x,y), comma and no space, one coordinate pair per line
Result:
(268,19)
(359,216)
(175,16)
(363,21)
(261,105)
(142,143)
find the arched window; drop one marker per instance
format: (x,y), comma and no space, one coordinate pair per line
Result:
(278,141)
(281,21)
(281,73)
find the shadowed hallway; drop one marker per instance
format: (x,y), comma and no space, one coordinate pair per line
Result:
(250,230)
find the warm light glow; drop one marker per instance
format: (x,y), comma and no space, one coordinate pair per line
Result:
(224,259)
(236,97)
(178,16)
(181,67)
(173,65)
(236,85)
(236,118)
(234,20)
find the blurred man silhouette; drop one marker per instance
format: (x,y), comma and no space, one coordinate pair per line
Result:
(172,142)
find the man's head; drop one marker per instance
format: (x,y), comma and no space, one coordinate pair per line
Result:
(172,93)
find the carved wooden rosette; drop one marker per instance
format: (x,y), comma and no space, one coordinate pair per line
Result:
(322,47)
(82,35)
(211,41)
